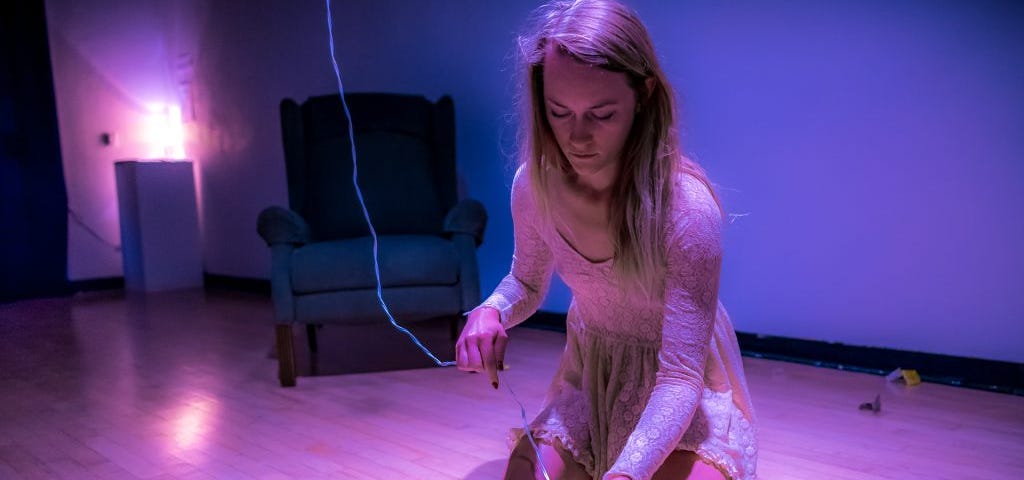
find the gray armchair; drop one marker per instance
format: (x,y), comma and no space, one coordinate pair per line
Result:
(321,249)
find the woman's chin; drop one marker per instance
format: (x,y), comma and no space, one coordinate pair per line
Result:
(587,166)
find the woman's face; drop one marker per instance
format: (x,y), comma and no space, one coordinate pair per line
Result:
(590,111)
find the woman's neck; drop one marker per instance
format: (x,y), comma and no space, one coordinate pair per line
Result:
(595,186)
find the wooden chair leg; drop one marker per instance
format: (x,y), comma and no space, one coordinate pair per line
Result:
(285,355)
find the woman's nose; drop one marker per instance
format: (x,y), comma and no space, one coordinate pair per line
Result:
(581,131)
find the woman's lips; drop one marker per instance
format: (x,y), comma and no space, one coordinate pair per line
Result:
(583,155)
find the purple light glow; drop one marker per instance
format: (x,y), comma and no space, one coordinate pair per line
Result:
(163,132)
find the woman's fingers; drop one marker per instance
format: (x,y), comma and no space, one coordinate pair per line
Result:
(487,353)
(500,344)
(473,361)
(481,346)
(461,355)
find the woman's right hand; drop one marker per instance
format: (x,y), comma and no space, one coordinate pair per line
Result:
(481,346)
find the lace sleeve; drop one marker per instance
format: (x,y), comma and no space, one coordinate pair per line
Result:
(691,297)
(519,294)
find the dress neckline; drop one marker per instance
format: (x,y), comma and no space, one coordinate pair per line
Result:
(577,252)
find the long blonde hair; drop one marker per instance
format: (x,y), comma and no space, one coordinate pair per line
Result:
(611,36)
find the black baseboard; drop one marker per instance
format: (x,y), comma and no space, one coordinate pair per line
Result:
(210,281)
(94,284)
(990,375)
(981,374)
(228,282)
(546,321)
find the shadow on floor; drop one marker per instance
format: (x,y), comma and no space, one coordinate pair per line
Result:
(344,349)
(488,471)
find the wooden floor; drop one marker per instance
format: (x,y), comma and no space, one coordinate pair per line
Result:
(180,385)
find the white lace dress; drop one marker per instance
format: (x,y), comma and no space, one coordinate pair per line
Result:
(637,379)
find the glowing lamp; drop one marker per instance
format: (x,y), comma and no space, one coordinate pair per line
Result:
(163,132)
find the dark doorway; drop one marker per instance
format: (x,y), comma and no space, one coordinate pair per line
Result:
(33,200)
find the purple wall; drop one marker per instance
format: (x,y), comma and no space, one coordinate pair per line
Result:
(873,147)
(111,65)
(877,148)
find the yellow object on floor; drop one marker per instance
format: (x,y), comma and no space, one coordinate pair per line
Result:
(910,377)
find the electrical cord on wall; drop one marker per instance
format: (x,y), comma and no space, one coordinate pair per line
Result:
(75,217)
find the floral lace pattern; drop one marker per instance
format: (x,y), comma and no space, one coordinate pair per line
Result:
(637,380)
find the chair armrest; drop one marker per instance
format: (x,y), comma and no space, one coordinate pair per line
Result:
(279,225)
(468,217)
(281,283)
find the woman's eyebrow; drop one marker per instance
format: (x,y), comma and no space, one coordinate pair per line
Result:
(602,103)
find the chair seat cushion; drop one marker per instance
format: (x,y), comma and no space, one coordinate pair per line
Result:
(405,260)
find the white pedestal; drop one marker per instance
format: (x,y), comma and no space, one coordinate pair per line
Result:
(160,242)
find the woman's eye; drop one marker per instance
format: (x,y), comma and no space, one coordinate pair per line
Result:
(606,116)
(559,114)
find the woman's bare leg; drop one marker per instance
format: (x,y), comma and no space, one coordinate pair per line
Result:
(522,464)
(686,465)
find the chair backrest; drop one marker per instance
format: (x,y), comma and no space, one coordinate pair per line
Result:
(405,147)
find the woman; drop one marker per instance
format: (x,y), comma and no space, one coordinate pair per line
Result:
(651,383)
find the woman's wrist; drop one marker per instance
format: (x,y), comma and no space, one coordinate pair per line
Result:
(482,310)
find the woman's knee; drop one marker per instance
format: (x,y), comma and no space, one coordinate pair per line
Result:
(687,465)
(523,464)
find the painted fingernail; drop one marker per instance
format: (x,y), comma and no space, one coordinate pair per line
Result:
(495,385)
(501,365)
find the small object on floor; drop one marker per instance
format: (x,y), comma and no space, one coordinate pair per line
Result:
(910,377)
(875,406)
